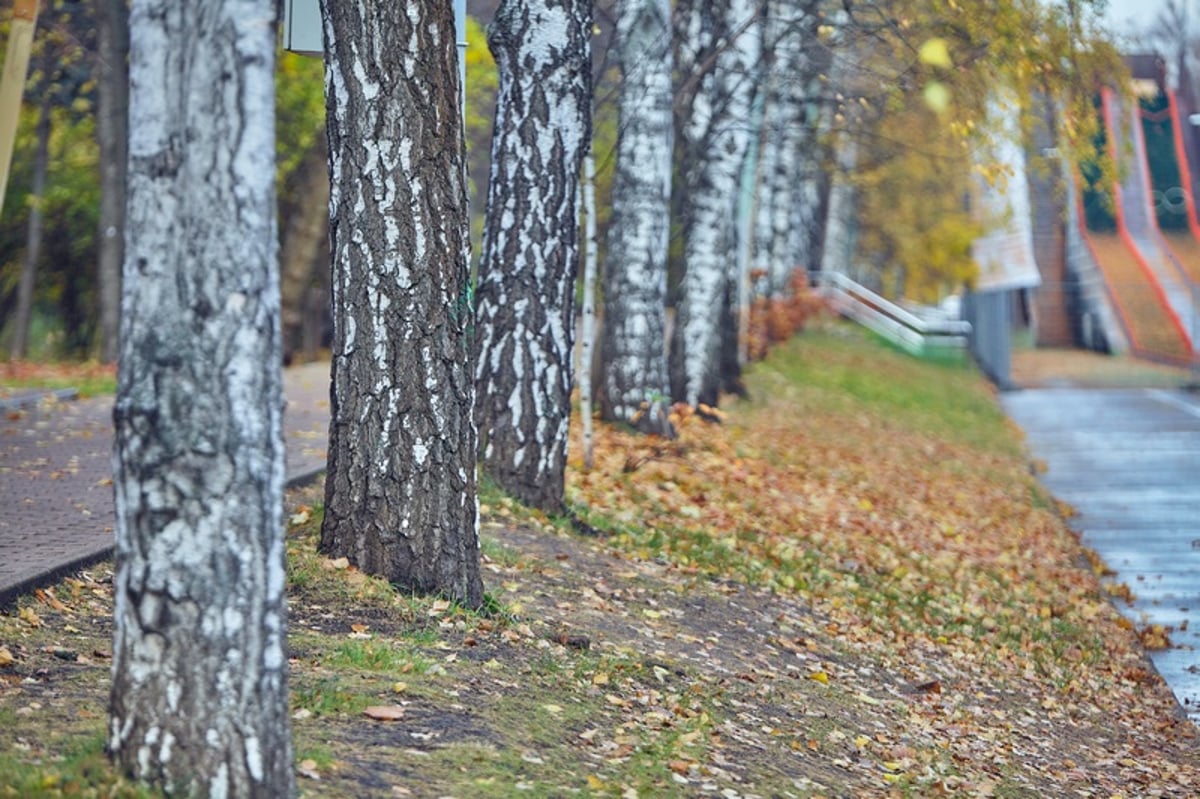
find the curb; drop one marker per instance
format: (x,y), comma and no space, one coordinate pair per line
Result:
(10,594)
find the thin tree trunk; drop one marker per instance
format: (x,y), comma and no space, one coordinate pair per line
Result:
(400,491)
(33,235)
(634,383)
(304,241)
(526,295)
(588,335)
(199,698)
(112,134)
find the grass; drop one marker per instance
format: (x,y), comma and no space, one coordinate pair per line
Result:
(89,378)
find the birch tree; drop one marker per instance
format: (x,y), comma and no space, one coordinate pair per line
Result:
(526,295)
(400,490)
(788,187)
(199,697)
(634,383)
(719,48)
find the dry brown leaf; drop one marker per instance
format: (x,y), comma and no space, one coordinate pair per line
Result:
(384,712)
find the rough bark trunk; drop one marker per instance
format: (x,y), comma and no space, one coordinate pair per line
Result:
(304,245)
(720,49)
(400,491)
(787,192)
(199,698)
(526,295)
(634,383)
(112,132)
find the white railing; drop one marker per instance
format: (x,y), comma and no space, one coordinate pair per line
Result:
(916,330)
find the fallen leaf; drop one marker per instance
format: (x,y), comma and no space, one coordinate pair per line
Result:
(29,617)
(308,768)
(820,677)
(384,712)
(6,657)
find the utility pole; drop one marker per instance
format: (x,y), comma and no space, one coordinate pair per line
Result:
(12,82)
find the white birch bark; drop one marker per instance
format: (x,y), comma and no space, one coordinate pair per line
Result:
(199,698)
(787,195)
(633,386)
(526,294)
(400,489)
(722,46)
(588,334)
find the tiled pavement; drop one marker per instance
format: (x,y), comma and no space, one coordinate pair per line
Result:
(56,504)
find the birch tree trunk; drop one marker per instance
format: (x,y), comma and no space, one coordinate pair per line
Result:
(587,343)
(526,295)
(633,387)
(720,49)
(112,133)
(400,490)
(199,697)
(787,196)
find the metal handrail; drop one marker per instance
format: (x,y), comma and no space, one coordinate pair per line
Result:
(911,331)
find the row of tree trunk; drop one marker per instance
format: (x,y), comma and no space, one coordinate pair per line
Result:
(420,361)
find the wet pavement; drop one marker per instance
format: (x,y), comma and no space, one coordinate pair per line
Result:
(1128,461)
(56,503)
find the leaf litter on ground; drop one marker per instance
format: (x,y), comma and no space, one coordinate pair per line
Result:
(852,586)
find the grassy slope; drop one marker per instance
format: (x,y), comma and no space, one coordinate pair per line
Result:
(853,587)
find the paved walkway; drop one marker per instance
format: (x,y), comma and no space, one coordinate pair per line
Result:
(1128,461)
(56,503)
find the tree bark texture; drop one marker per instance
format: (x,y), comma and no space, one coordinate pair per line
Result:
(719,51)
(633,387)
(304,243)
(400,490)
(112,133)
(199,698)
(23,317)
(526,296)
(787,195)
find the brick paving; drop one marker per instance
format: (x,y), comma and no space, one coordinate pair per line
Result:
(56,504)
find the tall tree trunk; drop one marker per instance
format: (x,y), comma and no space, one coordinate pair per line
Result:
(400,492)
(33,235)
(526,295)
(112,134)
(787,192)
(199,696)
(634,382)
(304,245)
(720,48)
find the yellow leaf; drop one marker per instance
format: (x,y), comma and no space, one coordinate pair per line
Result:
(29,617)
(935,53)
(595,783)
(6,657)
(820,677)
(937,96)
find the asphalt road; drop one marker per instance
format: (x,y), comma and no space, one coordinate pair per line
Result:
(1128,461)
